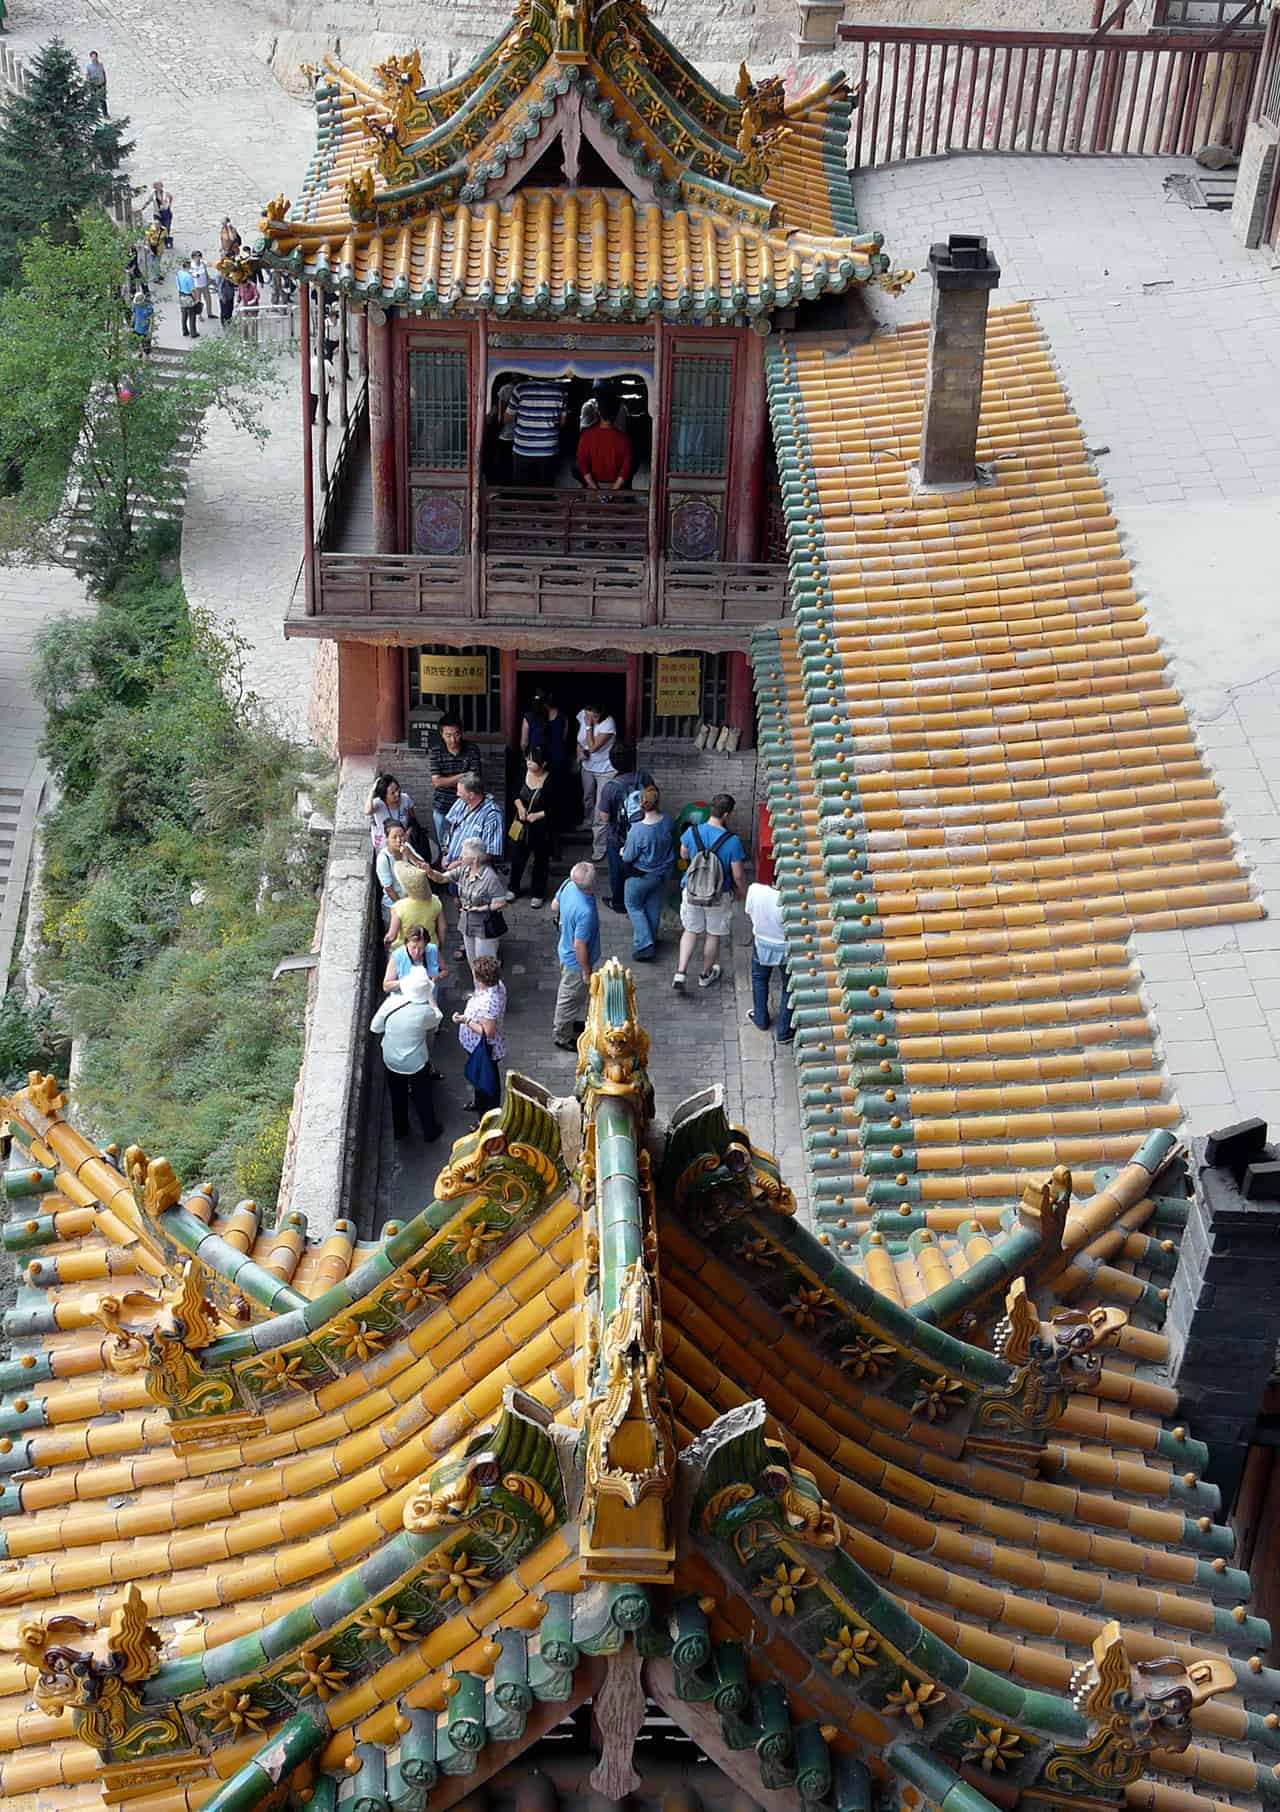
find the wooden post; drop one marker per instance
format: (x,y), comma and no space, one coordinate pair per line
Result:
(739,698)
(322,393)
(308,480)
(751,442)
(507,692)
(362,343)
(390,697)
(344,329)
(480,368)
(382,431)
(659,413)
(635,697)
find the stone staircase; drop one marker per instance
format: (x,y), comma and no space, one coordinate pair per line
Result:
(165,507)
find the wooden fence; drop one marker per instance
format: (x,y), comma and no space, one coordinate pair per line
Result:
(928,91)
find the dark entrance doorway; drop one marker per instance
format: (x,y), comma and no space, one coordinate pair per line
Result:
(572,687)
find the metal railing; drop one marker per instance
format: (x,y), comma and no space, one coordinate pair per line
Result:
(927,92)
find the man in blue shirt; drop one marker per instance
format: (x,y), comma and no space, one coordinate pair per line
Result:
(188,301)
(710,919)
(577,915)
(474,813)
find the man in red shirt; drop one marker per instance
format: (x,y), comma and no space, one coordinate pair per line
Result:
(604,455)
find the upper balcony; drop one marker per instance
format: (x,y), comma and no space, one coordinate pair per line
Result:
(549,559)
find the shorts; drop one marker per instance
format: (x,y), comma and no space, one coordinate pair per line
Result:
(716,921)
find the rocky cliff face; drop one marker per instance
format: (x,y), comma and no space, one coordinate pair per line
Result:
(718,34)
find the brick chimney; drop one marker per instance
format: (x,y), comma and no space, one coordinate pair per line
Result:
(964,274)
(1224,1307)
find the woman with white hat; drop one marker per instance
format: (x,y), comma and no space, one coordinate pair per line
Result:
(405,1021)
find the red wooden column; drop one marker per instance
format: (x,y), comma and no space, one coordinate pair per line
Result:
(390,696)
(635,690)
(507,685)
(308,475)
(739,701)
(382,430)
(750,446)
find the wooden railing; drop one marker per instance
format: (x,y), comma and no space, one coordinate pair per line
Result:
(1210,15)
(550,589)
(587,523)
(926,91)
(353,451)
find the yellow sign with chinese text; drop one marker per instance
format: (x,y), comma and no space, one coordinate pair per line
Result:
(458,675)
(677,685)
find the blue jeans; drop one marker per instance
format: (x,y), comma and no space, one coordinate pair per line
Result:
(644,895)
(618,872)
(442,831)
(760,976)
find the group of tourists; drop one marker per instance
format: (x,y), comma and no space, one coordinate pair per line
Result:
(454,851)
(228,289)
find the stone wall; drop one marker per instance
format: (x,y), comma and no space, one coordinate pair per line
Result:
(685,775)
(718,34)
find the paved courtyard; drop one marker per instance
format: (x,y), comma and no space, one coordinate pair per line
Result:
(1167,334)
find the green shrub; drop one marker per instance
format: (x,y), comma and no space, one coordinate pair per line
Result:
(175,878)
(27,1042)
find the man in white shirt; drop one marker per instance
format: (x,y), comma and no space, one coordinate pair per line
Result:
(596,737)
(769,952)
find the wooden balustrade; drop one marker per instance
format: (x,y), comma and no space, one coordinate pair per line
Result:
(549,589)
(587,523)
(926,91)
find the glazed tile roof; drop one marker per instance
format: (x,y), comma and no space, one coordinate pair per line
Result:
(982,782)
(344,1522)
(409,193)
(583,252)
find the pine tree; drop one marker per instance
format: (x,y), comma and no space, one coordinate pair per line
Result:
(58,154)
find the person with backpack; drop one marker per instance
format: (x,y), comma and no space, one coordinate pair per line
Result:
(619,809)
(716,875)
(650,854)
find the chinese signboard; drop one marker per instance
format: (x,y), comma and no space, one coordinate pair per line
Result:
(458,675)
(677,685)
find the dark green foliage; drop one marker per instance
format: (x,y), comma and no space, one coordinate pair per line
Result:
(175,878)
(27,1042)
(58,155)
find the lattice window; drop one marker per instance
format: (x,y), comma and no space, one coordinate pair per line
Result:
(715,696)
(701,393)
(1269,89)
(438,410)
(481,713)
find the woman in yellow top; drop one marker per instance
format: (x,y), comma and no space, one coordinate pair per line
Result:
(417,905)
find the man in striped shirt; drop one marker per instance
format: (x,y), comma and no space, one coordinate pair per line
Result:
(538,404)
(475,813)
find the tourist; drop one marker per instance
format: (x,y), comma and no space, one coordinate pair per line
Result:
(577,919)
(482,893)
(714,877)
(395,849)
(502,429)
(132,273)
(451,757)
(768,953)
(188,301)
(597,734)
(153,243)
(247,298)
(416,952)
(387,802)
(531,826)
(405,1021)
(226,298)
(417,905)
(95,77)
(228,238)
(161,204)
(537,406)
(650,854)
(547,727)
(474,816)
(480,1033)
(200,277)
(604,452)
(143,320)
(619,807)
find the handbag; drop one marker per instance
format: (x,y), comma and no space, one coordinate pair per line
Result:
(494,925)
(516,830)
(481,1071)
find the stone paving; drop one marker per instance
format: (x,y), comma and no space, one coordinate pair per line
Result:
(698,1042)
(1167,334)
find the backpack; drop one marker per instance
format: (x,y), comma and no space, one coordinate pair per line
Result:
(627,809)
(704,883)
